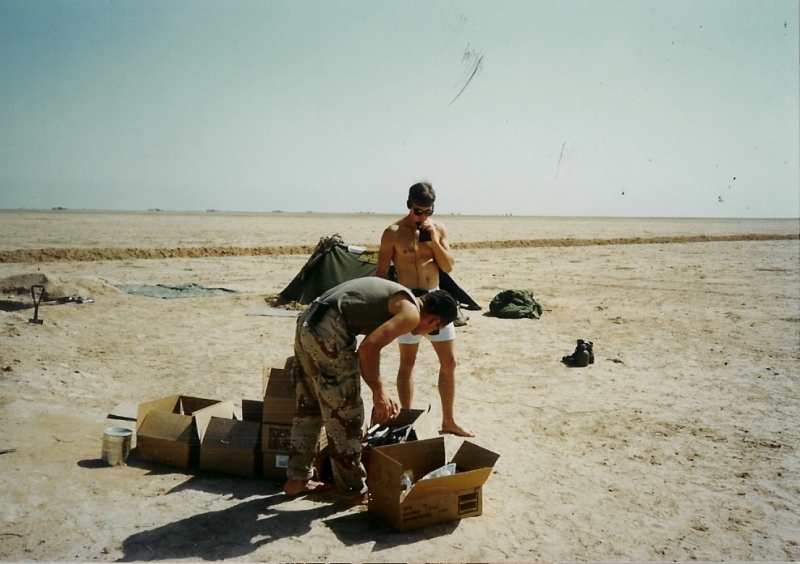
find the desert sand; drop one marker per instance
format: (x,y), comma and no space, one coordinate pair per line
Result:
(679,443)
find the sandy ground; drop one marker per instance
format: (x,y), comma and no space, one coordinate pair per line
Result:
(680,443)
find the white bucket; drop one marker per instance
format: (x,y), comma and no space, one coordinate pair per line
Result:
(116,445)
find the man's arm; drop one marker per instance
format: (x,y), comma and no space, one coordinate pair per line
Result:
(405,318)
(385,253)
(441,249)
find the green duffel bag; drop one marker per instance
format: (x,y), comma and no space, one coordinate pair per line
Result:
(515,304)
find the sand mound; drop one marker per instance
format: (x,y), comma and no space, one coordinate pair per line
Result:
(16,289)
(101,254)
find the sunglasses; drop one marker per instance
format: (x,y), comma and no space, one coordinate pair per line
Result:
(419,212)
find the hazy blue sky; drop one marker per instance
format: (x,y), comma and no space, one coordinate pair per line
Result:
(611,108)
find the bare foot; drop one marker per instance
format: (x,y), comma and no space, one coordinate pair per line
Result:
(356,500)
(297,487)
(456,429)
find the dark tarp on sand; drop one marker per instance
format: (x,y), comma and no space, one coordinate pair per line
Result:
(168,292)
(333,262)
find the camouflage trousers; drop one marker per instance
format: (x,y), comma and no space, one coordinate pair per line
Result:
(327,383)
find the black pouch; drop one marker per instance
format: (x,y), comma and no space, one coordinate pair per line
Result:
(316,311)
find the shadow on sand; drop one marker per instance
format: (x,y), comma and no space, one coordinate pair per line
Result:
(256,521)
(219,535)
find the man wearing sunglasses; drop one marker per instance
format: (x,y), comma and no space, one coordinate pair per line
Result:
(417,246)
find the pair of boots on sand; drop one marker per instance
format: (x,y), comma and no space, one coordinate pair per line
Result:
(583,355)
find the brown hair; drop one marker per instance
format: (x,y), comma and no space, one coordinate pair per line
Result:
(422,194)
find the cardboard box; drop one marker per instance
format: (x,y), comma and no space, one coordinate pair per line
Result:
(232,447)
(275,464)
(432,501)
(169,430)
(279,396)
(276,447)
(276,437)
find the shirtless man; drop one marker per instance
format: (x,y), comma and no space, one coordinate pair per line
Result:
(418,247)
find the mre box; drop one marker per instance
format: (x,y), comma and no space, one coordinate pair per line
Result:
(169,430)
(232,447)
(431,501)
(276,446)
(275,464)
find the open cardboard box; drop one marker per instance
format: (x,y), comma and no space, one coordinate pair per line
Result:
(430,501)
(169,430)
(233,445)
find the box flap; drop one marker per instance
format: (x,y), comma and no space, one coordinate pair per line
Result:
(458,482)
(166,426)
(252,410)
(384,484)
(169,404)
(264,379)
(191,404)
(223,409)
(126,411)
(418,456)
(289,363)
(472,457)
(419,421)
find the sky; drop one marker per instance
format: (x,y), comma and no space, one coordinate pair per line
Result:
(645,108)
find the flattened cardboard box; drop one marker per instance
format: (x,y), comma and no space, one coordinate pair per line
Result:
(432,501)
(279,395)
(169,430)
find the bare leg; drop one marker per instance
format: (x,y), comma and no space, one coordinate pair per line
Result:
(405,374)
(446,351)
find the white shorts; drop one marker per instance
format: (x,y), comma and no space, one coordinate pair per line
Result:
(447,333)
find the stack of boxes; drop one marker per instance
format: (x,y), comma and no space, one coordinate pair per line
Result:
(276,420)
(208,434)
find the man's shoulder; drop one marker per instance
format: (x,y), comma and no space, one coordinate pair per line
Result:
(398,224)
(396,229)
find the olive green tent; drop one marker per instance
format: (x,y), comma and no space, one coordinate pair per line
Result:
(334,262)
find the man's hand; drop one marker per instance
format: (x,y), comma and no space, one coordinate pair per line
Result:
(427,231)
(384,407)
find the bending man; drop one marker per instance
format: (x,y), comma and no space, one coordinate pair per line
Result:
(328,367)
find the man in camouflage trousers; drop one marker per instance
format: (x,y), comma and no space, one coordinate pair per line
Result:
(329,365)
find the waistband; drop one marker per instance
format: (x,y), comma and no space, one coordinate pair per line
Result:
(420,292)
